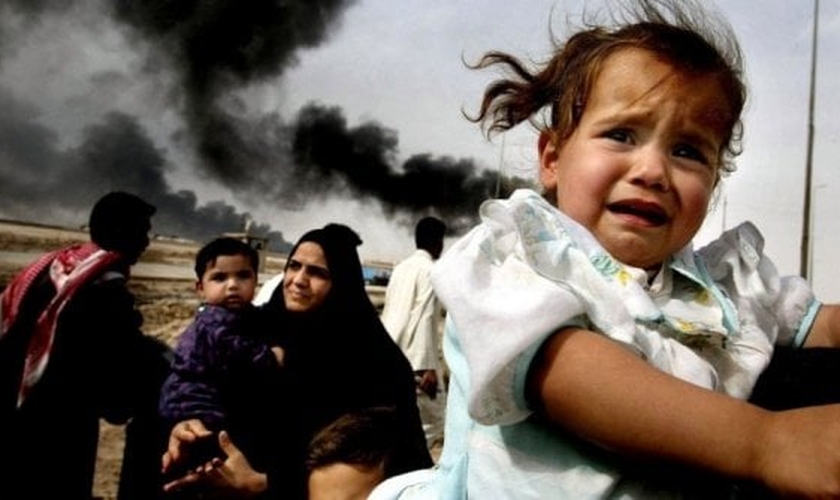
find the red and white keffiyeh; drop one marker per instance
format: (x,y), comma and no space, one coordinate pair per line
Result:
(69,269)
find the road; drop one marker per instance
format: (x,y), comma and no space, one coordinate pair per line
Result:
(156,270)
(150,270)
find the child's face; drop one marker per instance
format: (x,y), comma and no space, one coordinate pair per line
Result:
(306,281)
(640,168)
(342,481)
(229,282)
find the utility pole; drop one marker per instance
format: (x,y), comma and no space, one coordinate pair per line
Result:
(805,250)
(501,168)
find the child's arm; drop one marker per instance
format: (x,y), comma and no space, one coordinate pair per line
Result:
(202,362)
(190,391)
(826,329)
(596,388)
(190,402)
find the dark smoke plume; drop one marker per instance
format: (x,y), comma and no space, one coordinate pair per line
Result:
(212,50)
(360,159)
(40,180)
(221,46)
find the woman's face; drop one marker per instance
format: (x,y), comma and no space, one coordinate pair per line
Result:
(306,281)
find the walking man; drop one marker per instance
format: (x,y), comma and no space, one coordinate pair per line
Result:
(412,316)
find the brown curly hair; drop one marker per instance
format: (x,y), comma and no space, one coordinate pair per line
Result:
(683,35)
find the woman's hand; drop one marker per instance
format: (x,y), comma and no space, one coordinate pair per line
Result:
(183,435)
(231,478)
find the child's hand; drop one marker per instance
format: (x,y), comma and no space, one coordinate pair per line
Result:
(800,455)
(279,354)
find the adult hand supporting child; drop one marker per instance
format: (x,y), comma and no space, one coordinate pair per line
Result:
(183,435)
(231,477)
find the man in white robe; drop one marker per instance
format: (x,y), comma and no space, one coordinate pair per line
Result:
(412,315)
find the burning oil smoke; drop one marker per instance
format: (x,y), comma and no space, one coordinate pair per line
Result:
(210,52)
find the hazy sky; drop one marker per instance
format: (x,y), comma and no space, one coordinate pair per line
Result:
(386,77)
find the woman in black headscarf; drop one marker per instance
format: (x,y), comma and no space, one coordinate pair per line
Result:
(338,359)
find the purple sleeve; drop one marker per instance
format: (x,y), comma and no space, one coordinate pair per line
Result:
(193,387)
(241,346)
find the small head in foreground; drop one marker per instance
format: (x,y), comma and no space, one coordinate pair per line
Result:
(349,457)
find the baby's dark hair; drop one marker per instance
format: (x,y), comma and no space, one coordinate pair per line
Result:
(224,246)
(682,34)
(366,438)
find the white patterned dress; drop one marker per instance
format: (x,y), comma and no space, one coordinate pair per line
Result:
(710,317)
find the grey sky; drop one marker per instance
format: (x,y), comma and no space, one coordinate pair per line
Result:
(399,64)
(417,83)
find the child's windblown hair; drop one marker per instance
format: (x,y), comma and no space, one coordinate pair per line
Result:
(553,97)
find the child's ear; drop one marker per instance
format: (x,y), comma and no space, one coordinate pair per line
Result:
(198,287)
(549,155)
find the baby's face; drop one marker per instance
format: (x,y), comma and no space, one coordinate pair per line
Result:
(230,281)
(640,168)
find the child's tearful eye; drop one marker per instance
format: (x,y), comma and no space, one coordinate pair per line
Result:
(692,153)
(619,135)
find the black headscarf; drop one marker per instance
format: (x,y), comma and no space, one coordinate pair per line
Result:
(339,242)
(339,357)
(347,315)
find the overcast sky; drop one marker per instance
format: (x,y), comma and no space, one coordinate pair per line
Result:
(120,99)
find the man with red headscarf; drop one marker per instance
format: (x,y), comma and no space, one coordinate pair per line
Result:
(71,352)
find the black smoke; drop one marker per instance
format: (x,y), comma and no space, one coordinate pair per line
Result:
(329,156)
(41,181)
(219,47)
(211,51)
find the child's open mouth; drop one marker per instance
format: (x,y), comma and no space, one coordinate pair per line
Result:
(651,212)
